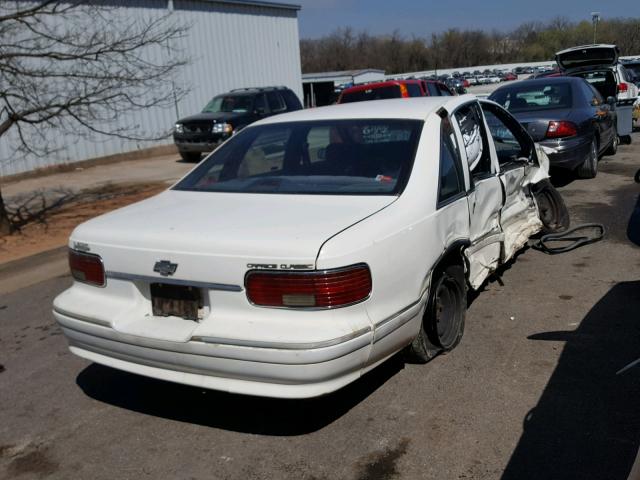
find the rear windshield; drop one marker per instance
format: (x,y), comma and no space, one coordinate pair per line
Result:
(338,157)
(541,96)
(381,93)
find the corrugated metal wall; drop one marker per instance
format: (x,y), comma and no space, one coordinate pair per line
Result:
(231,46)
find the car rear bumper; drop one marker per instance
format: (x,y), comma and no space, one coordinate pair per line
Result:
(567,153)
(287,371)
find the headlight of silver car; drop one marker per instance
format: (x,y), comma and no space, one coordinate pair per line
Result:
(179,128)
(222,128)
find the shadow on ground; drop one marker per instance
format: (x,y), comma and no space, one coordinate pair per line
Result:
(228,411)
(586,424)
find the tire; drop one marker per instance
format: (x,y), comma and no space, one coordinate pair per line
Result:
(552,210)
(443,319)
(625,139)
(191,156)
(589,169)
(613,148)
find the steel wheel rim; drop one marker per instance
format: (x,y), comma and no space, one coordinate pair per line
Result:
(446,312)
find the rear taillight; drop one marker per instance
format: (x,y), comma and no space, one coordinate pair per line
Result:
(403,90)
(623,87)
(86,268)
(315,289)
(561,129)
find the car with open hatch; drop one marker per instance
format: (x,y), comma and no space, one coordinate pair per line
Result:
(311,247)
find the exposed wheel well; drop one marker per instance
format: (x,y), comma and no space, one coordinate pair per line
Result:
(453,255)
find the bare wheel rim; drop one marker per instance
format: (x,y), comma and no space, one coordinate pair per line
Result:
(446,311)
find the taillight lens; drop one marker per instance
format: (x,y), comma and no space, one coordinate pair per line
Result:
(403,91)
(622,87)
(317,289)
(561,129)
(86,268)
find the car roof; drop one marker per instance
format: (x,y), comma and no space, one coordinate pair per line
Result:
(544,80)
(373,85)
(416,108)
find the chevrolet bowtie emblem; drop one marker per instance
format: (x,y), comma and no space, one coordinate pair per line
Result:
(165,268)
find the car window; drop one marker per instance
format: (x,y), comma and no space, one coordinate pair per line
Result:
(414,90)
(451,180)
(260,104)
(330,157)
(508,147)
(595,93)
(444,91)
(433,90)
(534,97)
(603,81)
(475,140)
(276,104)
(292,101)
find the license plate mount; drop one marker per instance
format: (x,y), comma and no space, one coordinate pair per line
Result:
(176,300)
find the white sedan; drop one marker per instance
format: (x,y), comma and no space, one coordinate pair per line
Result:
(310,247)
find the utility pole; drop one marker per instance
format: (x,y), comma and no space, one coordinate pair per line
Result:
(595,18)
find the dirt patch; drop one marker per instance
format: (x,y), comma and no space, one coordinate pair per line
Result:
(48,220)
(36,462)
(383,465)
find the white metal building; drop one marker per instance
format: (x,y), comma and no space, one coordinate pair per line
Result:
(232,44)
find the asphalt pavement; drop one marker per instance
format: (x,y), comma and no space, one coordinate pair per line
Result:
(535,390)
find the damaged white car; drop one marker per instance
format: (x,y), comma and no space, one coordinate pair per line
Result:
(311,247)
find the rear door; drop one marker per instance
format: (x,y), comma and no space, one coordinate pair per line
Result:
(515,152)
(484,196)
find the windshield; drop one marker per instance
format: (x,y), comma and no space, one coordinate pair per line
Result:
(336,157)
(229,103)
(539,96)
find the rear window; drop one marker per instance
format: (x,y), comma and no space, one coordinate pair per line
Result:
(382,93)
(338,157)
(541,96)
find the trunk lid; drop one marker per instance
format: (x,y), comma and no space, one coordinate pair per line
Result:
(587,56)
(536,123)
(214,236)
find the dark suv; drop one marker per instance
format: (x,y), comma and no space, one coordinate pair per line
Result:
(226,114)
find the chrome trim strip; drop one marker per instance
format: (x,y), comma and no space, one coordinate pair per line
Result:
(95,321)
(284,345)
(174,281)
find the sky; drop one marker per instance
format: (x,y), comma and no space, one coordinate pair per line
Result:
(424,17)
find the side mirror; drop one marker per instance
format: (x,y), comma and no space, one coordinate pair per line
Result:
(611,101)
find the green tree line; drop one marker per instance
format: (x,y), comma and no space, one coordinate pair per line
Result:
(346,49)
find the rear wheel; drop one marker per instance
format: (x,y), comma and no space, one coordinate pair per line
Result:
(625,139)
(613,148)
(443,320)
(191,156)
(552,210)
(589,169)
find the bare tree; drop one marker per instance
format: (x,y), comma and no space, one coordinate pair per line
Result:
(77,67)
